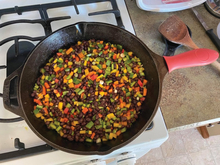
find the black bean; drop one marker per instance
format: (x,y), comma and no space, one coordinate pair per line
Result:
(81,120)
(83,123)
(64,130)
(123,118)
(67,127)
(97,122)
(76,138)
(33,94)
(88,119)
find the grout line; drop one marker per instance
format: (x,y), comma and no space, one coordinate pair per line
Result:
(212,155)
(187,154)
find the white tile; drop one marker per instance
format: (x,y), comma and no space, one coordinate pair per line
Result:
(178,160)
(193,140)
(160,162)
(152,155)
(215,152)
(203,157)
(214,141)
(174,146)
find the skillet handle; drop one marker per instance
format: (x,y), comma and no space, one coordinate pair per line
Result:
(8,99)
(196,57)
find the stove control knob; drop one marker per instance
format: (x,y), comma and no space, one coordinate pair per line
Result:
(96,162)
(126,159)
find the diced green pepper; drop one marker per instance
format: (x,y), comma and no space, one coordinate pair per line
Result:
(108,63)
(51,125)
(100,46)
(72,111)
(107,136)
(80,103)
(76,80)
(139,95)
(100,53)
(64,93)
(119,60)
(51,114)
(68,77)
(131,75)
(36,111)
(89,125)
(90,82)
(108,82)
(56,123)
(119,47)
(112,100)
(112,66)
(128,94)
(50,60)
(67,69)
(68,105)
(77,90)
(123,129)
(107,130)
(127,61)
(98,126)
(58,129)
(114,130)
(81,91)
(40,106)
(89,140)
(60,61)
(42,70)
(99,66)
(79,70)
(142,73)
(133,83)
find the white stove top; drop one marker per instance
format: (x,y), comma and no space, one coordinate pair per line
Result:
(141,145)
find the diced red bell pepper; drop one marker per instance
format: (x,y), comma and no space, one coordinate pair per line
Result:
(114,56)
(66,110)
(84,87)
(93,77)
(55,91)
(140,83)
(37,101)
(122,50)
(71,116)
(142,98)
(77,86)
(45,110)
(106,47)
(56,80)
(59,54)
(65,120)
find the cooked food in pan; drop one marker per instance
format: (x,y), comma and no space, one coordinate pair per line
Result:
(90,92)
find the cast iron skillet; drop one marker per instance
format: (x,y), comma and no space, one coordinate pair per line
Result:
(155,70)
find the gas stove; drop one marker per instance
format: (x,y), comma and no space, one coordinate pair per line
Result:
(22,25)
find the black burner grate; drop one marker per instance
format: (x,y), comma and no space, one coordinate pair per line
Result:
(20,50)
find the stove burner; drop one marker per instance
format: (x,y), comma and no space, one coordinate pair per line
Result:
(14,61)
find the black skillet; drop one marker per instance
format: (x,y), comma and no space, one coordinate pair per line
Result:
(155,70)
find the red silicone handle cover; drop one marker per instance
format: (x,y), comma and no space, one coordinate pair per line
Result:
(196,57)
